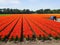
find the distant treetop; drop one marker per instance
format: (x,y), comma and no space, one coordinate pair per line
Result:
(27,11)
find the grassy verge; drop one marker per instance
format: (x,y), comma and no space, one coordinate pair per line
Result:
(4,14)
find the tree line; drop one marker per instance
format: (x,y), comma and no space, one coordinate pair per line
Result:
(27,11)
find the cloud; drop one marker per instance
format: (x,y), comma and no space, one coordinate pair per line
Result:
(9,1)
(14,1)
(2,1)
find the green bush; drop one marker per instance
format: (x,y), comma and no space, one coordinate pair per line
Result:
(11,39)
(16,39)
(4,39)
(56,38)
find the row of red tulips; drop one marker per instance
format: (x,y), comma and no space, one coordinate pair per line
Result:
(45,25)
(32,26)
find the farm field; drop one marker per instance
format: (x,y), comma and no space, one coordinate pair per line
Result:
(29,27)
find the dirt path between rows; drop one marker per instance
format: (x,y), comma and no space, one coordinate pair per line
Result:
(37,42)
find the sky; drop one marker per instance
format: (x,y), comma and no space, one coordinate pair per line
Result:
(30,4)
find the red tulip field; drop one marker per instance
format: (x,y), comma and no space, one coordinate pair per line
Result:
(28,26)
